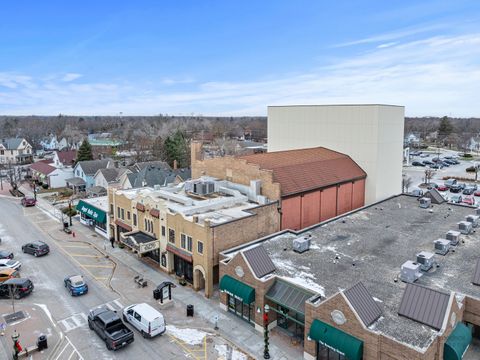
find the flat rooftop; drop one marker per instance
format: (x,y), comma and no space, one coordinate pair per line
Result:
(100,202)
(370,245)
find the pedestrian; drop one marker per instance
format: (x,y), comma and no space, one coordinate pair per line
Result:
(112,241)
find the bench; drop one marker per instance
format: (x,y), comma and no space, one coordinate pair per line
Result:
(140,281)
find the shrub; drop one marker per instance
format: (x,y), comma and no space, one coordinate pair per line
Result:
(470,169)
(69,211)
(66,192)
(467,155)
(45,186)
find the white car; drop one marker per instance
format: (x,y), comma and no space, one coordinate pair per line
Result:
(10,264)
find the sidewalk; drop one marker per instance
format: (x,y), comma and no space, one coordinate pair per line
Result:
(239,332)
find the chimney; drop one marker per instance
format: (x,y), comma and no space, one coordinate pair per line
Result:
(175,164)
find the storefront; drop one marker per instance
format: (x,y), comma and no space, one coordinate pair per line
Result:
(334,344)
(142,243)
(458,342)
(93,213)
(240,298)
(182,263)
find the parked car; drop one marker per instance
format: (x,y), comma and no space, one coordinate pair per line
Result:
(442,187)
(18,287)
(427,162)
(436,166)
(417,163)
(4,254)
(451,162)
(110,328)
(36,248)
(416,153)
(477,193)
(456,199)
(469,200)
(28,201)
(417,192)
(468,191)
(436,159)
(76,285)
(149,321)
(6,274)
(455,188)
(424,155)
(444,164)
(450,182)
(432,185)
(10,264)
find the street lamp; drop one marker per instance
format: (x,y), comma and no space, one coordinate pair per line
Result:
(70,210)
(35,191)
(16,345)
(266,309)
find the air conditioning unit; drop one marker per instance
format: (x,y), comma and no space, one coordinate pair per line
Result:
(410,271)
(442,246)
(426,260)
(473,219)
(301,244)
(465,227)
(425,202)
(453,236)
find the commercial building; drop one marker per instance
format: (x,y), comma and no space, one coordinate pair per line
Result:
(311,185)
(372,135)
(369,285)
(94,213)
(184,227)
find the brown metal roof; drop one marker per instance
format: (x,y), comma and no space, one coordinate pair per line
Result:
(289,295)
(435,196)
(307,169)
(259,261)
(424,305)
(363,303)
(476,274)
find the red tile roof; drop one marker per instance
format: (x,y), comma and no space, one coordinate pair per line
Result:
(303,170)
(42,168)
(67,157)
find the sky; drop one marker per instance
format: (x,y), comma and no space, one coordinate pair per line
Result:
(235,58)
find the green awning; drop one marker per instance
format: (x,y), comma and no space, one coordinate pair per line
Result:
(457,343)
(237,289)
(91,211)
(337,340)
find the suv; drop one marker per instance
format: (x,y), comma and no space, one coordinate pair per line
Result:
(457,199)
(19,287)
(450,182)
(36,248)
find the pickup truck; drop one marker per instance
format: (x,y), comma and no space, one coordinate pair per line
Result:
(108,325)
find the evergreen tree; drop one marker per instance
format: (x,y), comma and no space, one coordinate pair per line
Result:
(445,127)
(85,151)
(176,147)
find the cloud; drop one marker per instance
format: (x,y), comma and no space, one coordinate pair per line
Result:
(432,76)
(71,77)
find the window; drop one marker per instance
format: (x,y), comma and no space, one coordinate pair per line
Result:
(123,214)
(128,215)
(200,247)
(2,152)
(137,316)
(145,224)
(189,243)
(134,219)
(118,212)
(111,209)
(183,241)
(163,230)
(171,235)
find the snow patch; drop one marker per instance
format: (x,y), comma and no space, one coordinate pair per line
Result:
(377,300)
(235,354)
(45,309)
(306,282)
(189,336)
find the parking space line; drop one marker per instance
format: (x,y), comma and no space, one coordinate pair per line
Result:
(90,256)
(119,304)
(76,246)
(98,266)
(99,278)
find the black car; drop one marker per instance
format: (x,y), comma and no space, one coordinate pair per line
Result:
(19,287)
(436,166)
(444,163)
(468,191)
(36,248)
(432,185)
(450,162)
(427,162)
(417,163)
(6,254)
(456,188)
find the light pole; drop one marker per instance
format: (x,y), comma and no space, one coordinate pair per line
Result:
(70,210)
(35,191)
(16,345)
(266,309)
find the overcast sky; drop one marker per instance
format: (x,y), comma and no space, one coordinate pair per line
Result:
(237,57)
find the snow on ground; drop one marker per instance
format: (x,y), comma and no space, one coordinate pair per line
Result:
(236,355)
(189,336)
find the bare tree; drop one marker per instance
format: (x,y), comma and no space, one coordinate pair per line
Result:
(406,183)
(429,175)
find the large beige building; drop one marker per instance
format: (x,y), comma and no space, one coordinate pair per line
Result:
(372,135)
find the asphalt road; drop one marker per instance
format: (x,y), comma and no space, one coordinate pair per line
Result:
(21,225)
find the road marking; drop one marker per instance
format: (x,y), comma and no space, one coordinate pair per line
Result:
(73,322)
(100,278)
(75,246)
(119,304)
(66,345)
(98,266)
(90,256)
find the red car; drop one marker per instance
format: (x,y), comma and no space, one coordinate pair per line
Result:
(28,202)
(442,188)
(477,193)
(469,200)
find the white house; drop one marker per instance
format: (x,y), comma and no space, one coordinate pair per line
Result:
(64,158)
(15,151)
(54,177)
(109,176)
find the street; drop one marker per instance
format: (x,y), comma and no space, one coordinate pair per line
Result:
(68,315)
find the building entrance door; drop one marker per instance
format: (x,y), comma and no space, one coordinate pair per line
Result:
(183,268)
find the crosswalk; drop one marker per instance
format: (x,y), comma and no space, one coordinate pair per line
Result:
(79,320)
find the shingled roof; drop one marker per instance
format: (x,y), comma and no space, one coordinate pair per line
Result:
(42,168)
(67,157)
(307,169)
(90,167)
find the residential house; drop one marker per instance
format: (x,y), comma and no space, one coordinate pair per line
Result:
(84,172)
(183,228)
(51,175)
(109,177)
(65,158)
(52,143)
(15,151)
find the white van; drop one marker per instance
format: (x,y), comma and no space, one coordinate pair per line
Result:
(145,319)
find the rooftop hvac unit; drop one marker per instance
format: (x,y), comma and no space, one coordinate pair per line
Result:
(426,260)
(465,227)
(425,202)
(453,236)
(410,271)
(473,219)
(301,244)
(442,246)
(202,187)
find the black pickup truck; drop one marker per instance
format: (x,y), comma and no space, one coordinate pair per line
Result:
(108,325)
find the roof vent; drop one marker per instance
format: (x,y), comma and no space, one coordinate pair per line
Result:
(442,246)
(301,244)
(410,272)
(465,227)
(426,260)
(156,187)
(425,202)
(473,219)
(453,236)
